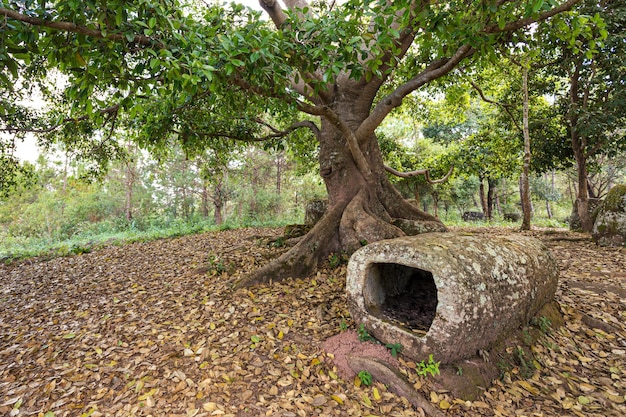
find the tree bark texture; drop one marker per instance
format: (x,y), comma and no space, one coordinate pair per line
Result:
(363,207)
(524,180)
(579,145)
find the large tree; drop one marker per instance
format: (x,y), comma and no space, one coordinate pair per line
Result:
(593,96)
(212,74)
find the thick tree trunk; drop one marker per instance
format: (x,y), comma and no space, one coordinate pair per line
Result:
(362,209)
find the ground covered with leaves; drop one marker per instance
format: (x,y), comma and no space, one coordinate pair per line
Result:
(155,329)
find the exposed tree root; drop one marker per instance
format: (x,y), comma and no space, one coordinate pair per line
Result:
(346,227)
(382,372)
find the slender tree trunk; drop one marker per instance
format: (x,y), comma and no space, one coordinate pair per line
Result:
(491,191)
(579,146)
(435,203)
(524,180)
(204,202)
(483,196)
(548,205)
(129,182)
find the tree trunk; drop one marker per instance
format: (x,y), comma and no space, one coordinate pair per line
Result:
(524,180)
(204,202)
(483,196)
(579,145)
(435,195)
(218,203)
(491,191)
(363,208)
(548,205)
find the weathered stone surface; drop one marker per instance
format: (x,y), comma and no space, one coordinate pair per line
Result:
(315,209)
(472,216)
(512,217)
(609,228)
(473,291)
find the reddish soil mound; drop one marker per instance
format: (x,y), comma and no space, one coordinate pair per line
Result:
(347,344)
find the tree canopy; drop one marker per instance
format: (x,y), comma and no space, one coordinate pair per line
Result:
(208,75)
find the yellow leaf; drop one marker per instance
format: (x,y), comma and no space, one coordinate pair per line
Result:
(444,404)
(366,400)
(376,394)
(280,335)
(434,398)
(332,375)
(315,361)
(528,387)
(357,381)
(98,351)
(290,322)
(139,386)
(337,399)
(210,406)
(147,394)
(582,400)
(212,326)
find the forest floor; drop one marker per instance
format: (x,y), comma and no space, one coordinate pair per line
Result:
(155,329)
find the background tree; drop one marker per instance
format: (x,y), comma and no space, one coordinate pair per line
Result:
(216,72)
(594,92)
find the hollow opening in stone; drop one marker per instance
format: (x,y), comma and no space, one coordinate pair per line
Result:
(404,296)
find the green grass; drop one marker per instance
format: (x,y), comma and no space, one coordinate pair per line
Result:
(119,231)
(109,233)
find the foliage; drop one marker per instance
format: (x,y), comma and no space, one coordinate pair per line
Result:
(362,334)
(365,377)
(395,348)
(431,367)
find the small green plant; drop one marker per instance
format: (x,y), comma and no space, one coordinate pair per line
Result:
(526,365)
(431,367)
(395,348)
(545,325)
(216,266)
(364,336)
(337,259)
(280,242)
(363,242)
(343,326)
(459,370)
(365,377)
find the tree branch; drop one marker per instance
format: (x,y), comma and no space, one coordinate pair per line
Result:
(518,24)
(109,112)
(503,106)
(433,71)
(424,172)
(72,27)
(276,133)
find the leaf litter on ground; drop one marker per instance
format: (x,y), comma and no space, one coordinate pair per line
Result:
(156,329)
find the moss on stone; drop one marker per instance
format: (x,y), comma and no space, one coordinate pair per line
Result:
(613,200)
